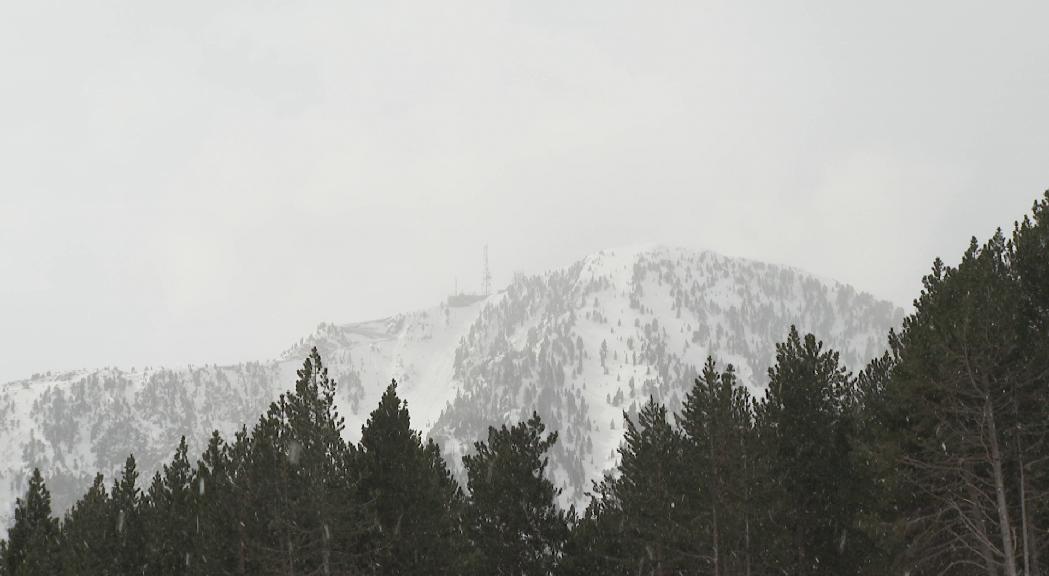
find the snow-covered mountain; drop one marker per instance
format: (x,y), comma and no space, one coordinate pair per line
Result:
(580,345)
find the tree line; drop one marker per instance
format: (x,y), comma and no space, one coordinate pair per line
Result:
(933,459)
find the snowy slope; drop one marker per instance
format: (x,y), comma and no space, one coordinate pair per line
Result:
(657,313)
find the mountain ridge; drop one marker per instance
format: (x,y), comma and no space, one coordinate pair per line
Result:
(580,344)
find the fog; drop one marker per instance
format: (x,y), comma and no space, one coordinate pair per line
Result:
(202,182)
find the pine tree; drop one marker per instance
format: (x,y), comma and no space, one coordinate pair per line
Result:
(596,544)
(32,546)
(803,453)
(1029,269)
(126,531)
(216,521)
(267,483)
(301,495)
(416,502)
(717,428)
(170,517)
(967,391)
(512,518)
(651,498)
(242,486)
(1029,266)
(86,546)
(880,527)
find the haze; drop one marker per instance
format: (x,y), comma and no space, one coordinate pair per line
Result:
(200,182)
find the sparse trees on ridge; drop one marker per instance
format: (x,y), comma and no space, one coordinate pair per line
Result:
(932,460)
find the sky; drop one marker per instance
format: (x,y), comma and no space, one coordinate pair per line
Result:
(198,182)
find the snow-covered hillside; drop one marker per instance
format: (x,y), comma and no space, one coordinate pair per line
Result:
(580,345)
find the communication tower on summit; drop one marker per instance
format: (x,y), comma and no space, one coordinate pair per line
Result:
(459,299)
(486,273)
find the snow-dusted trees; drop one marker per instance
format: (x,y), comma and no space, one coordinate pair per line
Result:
(933,460)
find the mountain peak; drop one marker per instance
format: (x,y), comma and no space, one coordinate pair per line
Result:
(581,345)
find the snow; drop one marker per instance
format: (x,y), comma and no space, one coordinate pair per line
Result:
(419,350)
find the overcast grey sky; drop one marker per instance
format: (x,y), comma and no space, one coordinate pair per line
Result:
(191,182)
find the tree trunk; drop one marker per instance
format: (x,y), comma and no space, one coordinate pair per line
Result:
(1032,557)
(1024,528)
(717,560)
(242,539)
(746,543)
(326,551)
(714,495)
(291,563)
(1036,547)
(746,505)
(983,537)
(1004,522)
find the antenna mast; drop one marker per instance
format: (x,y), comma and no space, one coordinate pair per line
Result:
(486,274)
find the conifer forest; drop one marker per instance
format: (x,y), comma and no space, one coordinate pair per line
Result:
(932,459)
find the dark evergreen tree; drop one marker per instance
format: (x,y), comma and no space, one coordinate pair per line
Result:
(651,497)
(32,547)
(881,530)
(717,427)
(268,484)
(416,503)
(1028,254)
(85,536)
(301,497)
(803,459)
(126,529)
(966,395)
(1029,267)
(216,522)
(246,521)
(170,517)
(512,517)
(596,544)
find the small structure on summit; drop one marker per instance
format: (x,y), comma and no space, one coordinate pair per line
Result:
(459,299)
